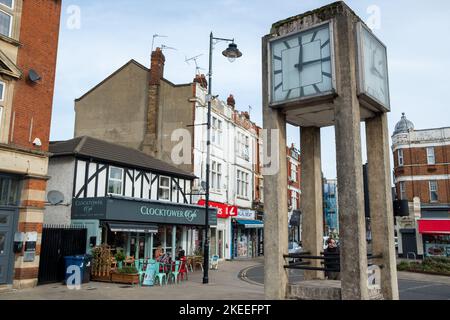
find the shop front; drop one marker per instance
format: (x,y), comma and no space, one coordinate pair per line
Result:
(220,236)
(246,234)
(138,227)
(436,237)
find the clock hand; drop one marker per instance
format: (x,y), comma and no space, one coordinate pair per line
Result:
(300,64)
(376,72)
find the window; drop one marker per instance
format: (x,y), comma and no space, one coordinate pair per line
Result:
(1,116)
(216,176)
(403,191)
(115,181)
(433,191)
(294,200)
(242,184)
(430,156)
(164,188)
(2,91)
(216,135)
(293,172)
(261,189)
(243,146)
(9,191)
(400,158)
(5,23)
(8,3)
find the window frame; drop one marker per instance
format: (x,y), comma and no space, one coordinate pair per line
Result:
(9,35)
(116,180)
(294,200)
(402,187)
(294,171)
(435,183)
(401,158)
(161,187)
(12,4)
(433,156)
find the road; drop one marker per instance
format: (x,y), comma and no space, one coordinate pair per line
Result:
(411,287)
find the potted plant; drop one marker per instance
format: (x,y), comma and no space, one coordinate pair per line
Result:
(120,258)
(127,274)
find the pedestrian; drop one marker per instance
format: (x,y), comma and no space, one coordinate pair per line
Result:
(332,251)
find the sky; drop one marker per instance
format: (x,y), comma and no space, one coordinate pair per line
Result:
(98,37)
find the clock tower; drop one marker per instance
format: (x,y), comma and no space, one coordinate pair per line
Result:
(327,68)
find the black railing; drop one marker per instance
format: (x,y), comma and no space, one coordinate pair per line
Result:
(331,261)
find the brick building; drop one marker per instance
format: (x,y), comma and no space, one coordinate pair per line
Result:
(294,192)
(422,180)
(29,33)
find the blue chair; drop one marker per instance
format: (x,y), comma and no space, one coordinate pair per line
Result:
(139,264)
(160,274)
(175,271)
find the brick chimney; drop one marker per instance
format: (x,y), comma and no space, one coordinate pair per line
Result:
(149,144)
(157,66)
(201,79)
(231,102)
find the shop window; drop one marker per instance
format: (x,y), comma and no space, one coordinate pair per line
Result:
(400,158)
(5,23)
(434,191)
(164,188)
(115,181)
(431,159)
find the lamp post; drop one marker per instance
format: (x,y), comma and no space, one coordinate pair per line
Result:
(232,53)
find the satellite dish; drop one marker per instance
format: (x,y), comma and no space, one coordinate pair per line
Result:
(55,197)
(33,76)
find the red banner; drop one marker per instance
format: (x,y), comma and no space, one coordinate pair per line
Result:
(224,211)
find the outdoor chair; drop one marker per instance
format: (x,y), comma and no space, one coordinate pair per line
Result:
(183,268)
(175,273)
(198,261)
(190,264)
(139,264)
(160,273)
(215,262)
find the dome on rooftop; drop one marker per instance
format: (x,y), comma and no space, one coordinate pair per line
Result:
(403,126)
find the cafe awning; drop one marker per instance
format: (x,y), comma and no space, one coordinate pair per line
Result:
(251,224)
(132,227)
(434,226)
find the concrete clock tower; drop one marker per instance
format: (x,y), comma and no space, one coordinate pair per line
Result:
(326,68)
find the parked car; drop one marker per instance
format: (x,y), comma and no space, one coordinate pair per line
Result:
(294,248)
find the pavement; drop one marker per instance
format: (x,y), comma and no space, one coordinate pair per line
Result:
(224,284)
(235,280)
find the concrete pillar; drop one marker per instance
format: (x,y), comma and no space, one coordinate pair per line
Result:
(349,165)
(275,198)
(312,198)
(380,201)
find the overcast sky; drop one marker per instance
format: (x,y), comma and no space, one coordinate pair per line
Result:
(112,32)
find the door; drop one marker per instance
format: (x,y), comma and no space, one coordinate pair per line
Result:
(409,243)
(7,226)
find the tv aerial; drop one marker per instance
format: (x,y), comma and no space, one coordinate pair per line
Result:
(197,68)
(164,47)
(157,36)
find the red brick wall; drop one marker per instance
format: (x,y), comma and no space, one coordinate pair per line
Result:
(415,164)
(39,32)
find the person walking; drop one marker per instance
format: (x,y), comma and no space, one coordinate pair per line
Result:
(332,251)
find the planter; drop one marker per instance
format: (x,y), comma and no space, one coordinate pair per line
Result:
(101,278)
(125,278)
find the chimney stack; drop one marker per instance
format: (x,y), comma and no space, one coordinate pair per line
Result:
(157,66)
(231,102)
(201,79)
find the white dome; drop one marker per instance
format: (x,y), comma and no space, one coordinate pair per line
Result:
(404,126)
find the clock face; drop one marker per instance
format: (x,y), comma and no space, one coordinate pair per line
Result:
(301,65)
(373,67)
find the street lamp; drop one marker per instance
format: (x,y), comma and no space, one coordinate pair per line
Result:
(232,53)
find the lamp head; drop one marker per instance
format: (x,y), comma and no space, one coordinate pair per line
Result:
(232,52)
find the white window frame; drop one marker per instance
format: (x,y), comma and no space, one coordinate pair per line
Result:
(12,4)
(294,198)
(403,195)
(242,184)
(10,22)
(294,172)
(162,187)
(116,180)
(217,125)
(431,155)
(433,185)
(261,190)
(401,159)
(1,117)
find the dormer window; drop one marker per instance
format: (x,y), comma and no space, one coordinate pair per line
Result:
(5,23)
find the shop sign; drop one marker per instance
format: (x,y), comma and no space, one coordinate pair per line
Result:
(224,211)
(246,214)
(120,209)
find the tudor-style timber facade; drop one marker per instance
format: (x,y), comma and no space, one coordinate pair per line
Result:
(125,198)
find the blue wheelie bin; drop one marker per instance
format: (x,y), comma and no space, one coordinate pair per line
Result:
(80,261)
